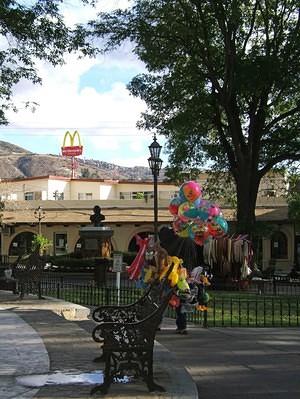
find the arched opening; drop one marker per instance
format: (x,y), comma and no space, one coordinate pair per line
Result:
(21,244)
(279,245)
(132,247)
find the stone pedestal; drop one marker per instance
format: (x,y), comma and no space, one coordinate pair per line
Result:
(96,243)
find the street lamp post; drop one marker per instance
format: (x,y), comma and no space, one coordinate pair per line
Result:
(155,165)
(39,214)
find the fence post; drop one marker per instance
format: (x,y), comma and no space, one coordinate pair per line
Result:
(59,286)
(58,290)
(106,295)
(274,286)
(205,319)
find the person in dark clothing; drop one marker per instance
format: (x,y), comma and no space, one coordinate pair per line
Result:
(185,302)
(181,311)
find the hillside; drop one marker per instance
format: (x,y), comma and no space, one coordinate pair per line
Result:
(17,162)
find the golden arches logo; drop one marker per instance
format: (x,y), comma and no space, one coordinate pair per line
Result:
(71,149)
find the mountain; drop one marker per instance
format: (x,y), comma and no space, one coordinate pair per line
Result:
(16,162)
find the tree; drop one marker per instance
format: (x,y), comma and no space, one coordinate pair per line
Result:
(29,33)
(293,198)
(41,244)
(222,83)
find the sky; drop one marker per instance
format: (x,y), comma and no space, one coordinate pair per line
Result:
(88,95)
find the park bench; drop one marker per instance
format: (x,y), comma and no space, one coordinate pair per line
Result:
(28,271)
(128,342)
(132,312)
(127,334)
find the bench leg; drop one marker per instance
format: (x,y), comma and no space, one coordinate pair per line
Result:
(148,377)
(103,388)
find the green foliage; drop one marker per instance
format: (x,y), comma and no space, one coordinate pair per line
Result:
(40,243)
(293,198)
(31,31)
(140,195)
(221,188)
(222,84)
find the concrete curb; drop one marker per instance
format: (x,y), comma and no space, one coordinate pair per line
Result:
(68,310)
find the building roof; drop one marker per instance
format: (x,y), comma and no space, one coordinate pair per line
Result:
(78,212)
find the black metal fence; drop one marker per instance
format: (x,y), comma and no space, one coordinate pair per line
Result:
(230,310)
(259,311)
(275,286)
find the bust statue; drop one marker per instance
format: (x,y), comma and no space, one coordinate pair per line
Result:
(97,218)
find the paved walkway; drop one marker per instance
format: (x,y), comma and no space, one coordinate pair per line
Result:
(229,363)
(236,363)
(36,339)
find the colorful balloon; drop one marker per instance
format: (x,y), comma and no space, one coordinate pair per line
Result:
(174,204)
(190,190)
(213,210)
(194,217)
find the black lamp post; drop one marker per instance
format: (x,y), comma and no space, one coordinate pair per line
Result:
(39,214)
(155,165)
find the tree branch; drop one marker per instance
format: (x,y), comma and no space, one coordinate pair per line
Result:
(280,158)
(279,118)
(251,27)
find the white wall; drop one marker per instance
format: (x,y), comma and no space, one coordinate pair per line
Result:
(62,186)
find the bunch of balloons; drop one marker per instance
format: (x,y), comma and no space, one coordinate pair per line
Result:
(195,217)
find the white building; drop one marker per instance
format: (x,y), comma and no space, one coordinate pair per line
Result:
(128,208)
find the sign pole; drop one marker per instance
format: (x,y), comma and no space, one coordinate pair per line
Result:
(117,268)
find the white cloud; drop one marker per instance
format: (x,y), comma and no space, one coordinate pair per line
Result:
(106,121)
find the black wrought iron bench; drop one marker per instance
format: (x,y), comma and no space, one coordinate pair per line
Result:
(135,311)
(28,273)
(128,343)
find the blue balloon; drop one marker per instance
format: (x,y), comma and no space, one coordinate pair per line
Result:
(222,223)
(202,214)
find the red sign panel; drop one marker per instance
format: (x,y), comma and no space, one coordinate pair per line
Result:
(72,151)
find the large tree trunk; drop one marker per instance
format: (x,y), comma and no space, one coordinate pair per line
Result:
(247,184)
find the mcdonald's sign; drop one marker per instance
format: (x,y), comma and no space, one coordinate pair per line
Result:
(68,148)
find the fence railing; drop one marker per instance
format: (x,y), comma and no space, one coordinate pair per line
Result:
(273,286)
(224,311)
(259,311)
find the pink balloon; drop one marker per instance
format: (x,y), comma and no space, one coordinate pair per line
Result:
(213,210)
(190,190)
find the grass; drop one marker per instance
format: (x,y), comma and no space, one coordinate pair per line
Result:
(242,309)
(226,308)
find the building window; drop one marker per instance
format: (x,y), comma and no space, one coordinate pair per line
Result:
(269,193)
(85,196)
(146,195)
(124,196)
(279,247)
(33,195)
(28,196)
(60,240)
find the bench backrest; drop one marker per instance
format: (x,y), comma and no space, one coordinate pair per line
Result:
(29,267)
